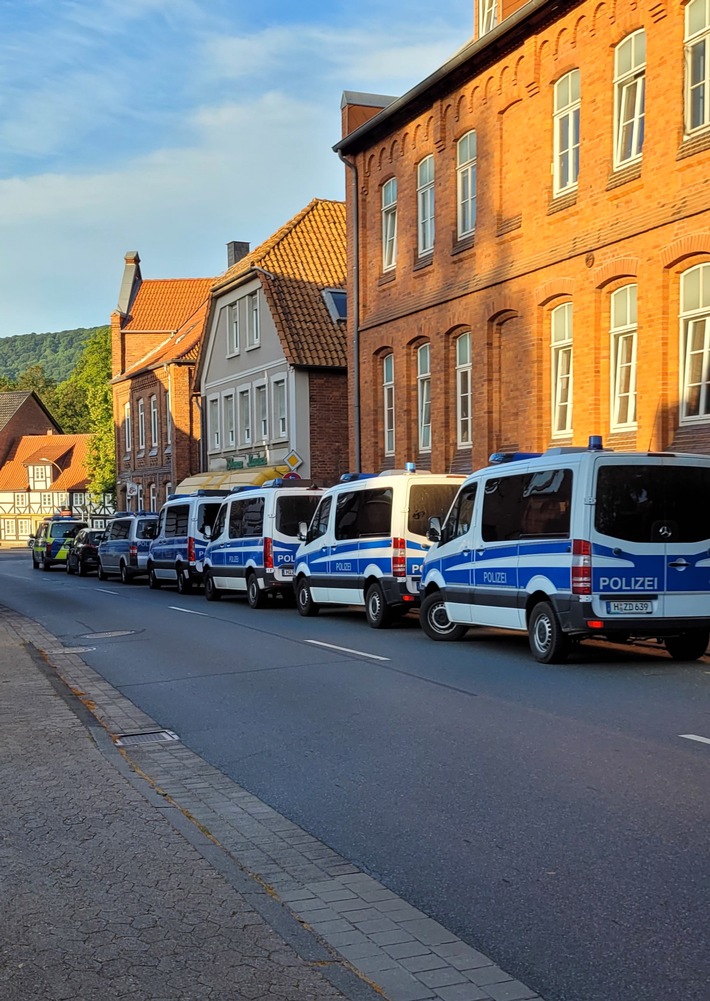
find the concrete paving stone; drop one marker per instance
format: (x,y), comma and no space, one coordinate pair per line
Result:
(325,928)
(377,963)
(339,895)
(513,990)
(408,950)
(391,937)
(428,931)
(427,961)
(398,985)
(442,978)
(296,894)
(353,906)
(461,956)
(340,940)
(370,927)
(461,992)
(356,951)
(488,975)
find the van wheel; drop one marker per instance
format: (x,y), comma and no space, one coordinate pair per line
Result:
(35,562)
(153,581)
(688,646)
(81,568)
(435,621)
(255,596)
(212,592)
(101,573)
(376,609)
(304,599)
(549,645)
(184,584)
(67,567)
(126,576)
(46,565)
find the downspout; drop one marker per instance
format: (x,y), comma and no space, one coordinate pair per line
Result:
(355,310)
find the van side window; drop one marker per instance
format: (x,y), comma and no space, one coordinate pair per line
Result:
(219,521)
(176,520)
(119,530)
(291,509)
(363,513)
(246,518)
(144,528)
(206,515)
(532,505)
(319,525)
(460,517)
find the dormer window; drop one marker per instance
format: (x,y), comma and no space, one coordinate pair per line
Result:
(487,16)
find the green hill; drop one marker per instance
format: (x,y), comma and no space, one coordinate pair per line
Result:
(57,353)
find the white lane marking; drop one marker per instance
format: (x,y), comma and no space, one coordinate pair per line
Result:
(694,736)
(190,611)
(346,649)
(105,590)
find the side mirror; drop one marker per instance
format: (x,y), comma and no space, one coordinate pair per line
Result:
(302,531)
(434,532)
(207,531)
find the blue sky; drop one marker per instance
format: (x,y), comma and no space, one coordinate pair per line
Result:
(171,127)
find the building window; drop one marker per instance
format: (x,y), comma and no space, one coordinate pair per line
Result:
(139,498)
(695,342)
(466,183)
(425,205)
(245,417)
(487,16)
(127,425)
(629,98)
(141,425)
(233,337)
(20,501)
(168,489)
(697,65)
(566,127)
(464,434)
(154,421)
(388,387)
(153,493)
(168,420)
(424,397)
(623,356)
(253,330)
(24,527)
(279,399)
(9,528)
(47,502)
(561,343)
(262,413)
(213,423)
(229,422)
(389,224)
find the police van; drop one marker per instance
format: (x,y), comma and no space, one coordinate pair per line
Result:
(179,541)
(576,543)
(254,538)
(366,543)
(124,547)
(52,540)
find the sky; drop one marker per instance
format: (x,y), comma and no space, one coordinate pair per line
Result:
(172,127)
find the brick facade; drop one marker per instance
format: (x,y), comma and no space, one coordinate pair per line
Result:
(644,224)
(329,425)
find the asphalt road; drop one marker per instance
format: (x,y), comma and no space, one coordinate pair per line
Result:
(552,816)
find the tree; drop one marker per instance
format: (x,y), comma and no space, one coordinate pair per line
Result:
(93,372)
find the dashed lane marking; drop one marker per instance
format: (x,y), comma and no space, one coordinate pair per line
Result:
(346,649)
(694,736)
(189,611)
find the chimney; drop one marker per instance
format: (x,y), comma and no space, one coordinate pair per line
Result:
(357,108)
(50,430)
(236,250)
(131,282)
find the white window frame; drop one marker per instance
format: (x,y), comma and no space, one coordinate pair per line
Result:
(279,404)
(128,438)
(697,41)
(629,89)
(389,224)
(154,421)
(566,132)
(487,16)
(466,170)
(153,497)
(561,371)
(694,330)
(425,205)
(253,322)
(229,416)
(46,501)
(24,527)
(168,420)
(464,398)
(623,331)
(261,411)
(141,424)
(214,436)
(424,397)
(139,498)
(245,426)
(233,337)
(389,403)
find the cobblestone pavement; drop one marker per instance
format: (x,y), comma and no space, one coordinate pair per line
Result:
(115,896)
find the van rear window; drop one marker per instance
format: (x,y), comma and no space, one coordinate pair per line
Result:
(290,510)
(429,500)
(653,503)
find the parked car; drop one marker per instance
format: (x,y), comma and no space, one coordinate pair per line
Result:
(52,539)
(83,552)
(124,548)
(179,541)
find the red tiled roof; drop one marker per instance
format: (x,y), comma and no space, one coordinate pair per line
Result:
(183,345)
(165,304)
(304,257)
(68,450)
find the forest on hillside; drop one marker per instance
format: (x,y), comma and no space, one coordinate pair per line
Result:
(57,353)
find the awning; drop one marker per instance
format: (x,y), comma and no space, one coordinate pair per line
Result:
(225,479)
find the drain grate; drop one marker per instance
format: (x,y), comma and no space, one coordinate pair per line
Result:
(152,737)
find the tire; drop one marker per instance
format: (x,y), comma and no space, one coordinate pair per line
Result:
(35,562)
(67,567)
(126,575)
(376,610)
(255,595)
(153,581)
(436,623)
(688,646)
(46,565)
(304,600)
(548,644)
(101,573)
(81,569)
(212,592)
(184,584)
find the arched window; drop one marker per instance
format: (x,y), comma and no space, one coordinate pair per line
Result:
(466,184)
(389,224)
(464,436)
(425,205)
(561,348)
(629,98)
(388,399)
(695,342)
(127,425)
(424,397)
(697,65)
(623,357)
(566,132)
(141,424)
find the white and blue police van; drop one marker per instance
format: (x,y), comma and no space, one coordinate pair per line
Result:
(253,540)
(124,547)
(366,543)
(180,541)
(576,543)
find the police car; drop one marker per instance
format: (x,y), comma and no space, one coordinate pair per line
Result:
(52,540)
(576,543)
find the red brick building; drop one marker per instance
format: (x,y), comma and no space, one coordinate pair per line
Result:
(529,238)
(156,334)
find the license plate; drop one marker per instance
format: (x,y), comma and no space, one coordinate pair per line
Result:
(629,607)
(286,571)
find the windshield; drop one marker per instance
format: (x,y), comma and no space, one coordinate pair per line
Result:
(62,531)
(653,503)
(294,509)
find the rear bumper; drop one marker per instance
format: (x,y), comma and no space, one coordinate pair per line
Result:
(575,615)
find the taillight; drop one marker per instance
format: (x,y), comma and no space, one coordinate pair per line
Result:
(399,558)
(268,553)
(581,567)
(133,549)
(190,549)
